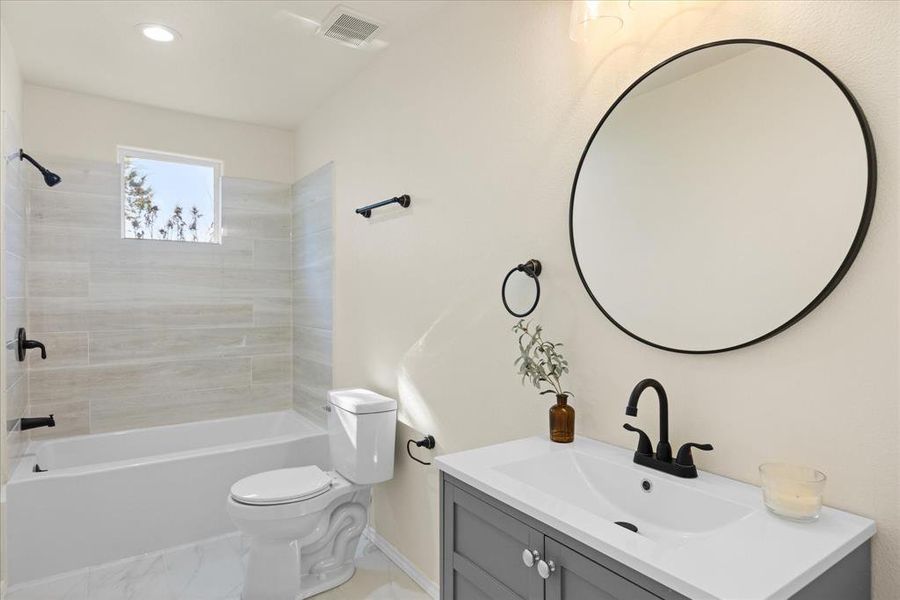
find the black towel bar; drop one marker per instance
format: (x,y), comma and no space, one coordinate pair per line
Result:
(403,201)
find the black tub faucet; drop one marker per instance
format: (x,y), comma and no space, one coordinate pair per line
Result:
(33,422)
(683,465)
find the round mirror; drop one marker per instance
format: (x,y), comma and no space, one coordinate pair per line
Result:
(722,197)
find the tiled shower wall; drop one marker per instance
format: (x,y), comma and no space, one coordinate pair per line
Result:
(144,332)
(13,250)
(313,259)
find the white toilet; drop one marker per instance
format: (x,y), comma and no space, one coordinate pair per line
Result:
(303,524)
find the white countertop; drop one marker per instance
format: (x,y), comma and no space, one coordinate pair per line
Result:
(754,556)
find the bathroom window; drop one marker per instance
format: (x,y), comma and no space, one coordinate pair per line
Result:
(170,197)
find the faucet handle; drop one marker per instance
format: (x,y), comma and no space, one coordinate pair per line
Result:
(685,458)
(645,447)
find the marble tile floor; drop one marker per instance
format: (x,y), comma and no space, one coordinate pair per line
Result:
(208,570)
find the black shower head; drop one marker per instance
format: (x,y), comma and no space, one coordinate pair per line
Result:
(50,178)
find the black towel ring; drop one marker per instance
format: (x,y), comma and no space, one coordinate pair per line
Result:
(532,268)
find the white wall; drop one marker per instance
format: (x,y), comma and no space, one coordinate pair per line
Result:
(87,127)
(482,118)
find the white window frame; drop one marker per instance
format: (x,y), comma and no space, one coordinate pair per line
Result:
(217,166)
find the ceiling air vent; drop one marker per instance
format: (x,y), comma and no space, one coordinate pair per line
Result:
(348,27)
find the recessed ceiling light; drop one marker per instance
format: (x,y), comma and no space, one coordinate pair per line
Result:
(158,33)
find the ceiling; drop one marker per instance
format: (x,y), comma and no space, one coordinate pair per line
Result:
(257,61)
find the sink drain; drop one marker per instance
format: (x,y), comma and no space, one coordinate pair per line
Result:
(627,525)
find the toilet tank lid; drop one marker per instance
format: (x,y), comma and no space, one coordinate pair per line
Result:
(360,402)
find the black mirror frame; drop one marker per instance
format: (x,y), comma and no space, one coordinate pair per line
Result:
(857,240)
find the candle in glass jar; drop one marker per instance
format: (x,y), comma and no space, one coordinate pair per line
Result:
(791,491)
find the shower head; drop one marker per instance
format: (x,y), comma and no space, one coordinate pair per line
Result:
(50,178)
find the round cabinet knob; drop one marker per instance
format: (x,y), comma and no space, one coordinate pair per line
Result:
(545,569)
(529,557)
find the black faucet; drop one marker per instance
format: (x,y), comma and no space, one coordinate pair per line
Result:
(23,343)
(683,466)
(32,422)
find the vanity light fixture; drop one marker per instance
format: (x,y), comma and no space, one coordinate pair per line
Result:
(158,33)
(589,16)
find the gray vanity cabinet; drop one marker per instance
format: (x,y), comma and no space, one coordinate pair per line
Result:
(484,546)
(575,577)
(485,552)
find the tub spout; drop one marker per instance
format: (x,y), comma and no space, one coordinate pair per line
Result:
(32,422)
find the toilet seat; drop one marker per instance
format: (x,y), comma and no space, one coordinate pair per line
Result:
(281,486)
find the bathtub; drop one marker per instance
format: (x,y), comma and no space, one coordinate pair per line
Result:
(109,496)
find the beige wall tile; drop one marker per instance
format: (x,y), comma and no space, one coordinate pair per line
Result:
(132,326)
(271,396)
(60,244)
(314,281)
(114,414)
(313,344)
(14,276)
(250,224)
(171,256)
(65,209)
(272,254)
(93,177)
(17,398)
(312,373)
(256,196)
(71,417)
(272,312)
(270,283)
(58,279)
(314,248)
(69,349)
(16,407)
(57,314)
(155,344)
(13,317)
(309,401)
(274,368)
(14,238)
(133,379)
(148,314)
(182,282)
(312,312)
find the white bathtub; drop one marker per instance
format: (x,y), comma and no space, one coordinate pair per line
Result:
(112,495)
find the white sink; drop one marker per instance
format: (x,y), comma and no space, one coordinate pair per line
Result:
(707,538)
(669,510)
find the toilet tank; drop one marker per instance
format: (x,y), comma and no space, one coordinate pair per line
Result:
(361,431)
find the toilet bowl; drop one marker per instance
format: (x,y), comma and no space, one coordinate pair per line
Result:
(303,525)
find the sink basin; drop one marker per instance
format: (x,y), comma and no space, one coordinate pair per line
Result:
(707,538)
(666,510)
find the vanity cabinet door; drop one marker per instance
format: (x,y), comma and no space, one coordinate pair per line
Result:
(482,550)
(574,577)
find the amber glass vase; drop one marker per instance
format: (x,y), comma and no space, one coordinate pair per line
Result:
(562,421)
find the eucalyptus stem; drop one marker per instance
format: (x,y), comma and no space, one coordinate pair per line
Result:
(540,361)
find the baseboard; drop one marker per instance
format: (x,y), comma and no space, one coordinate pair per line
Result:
(430,587)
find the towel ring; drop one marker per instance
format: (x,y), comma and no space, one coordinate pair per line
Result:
(532,268)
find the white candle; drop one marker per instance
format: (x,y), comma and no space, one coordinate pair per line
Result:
(791,491)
